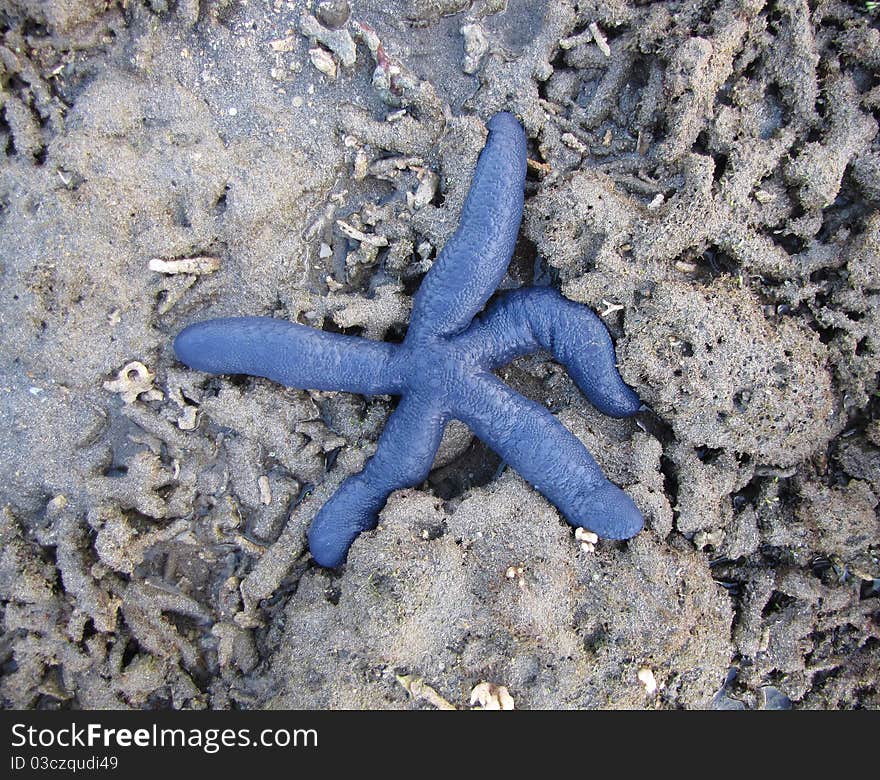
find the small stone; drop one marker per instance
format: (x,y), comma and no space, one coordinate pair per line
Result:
(361,165)
(427,189)
(333,14)
(58,503)
(187,420)
(646,678)
(587,539)
(543,71)
(475,47)
(185,265)
(396,116)
(283,45)
(323,61)
(488,696)
(265,490)
(583,535)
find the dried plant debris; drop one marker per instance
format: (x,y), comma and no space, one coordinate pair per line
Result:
(706,177)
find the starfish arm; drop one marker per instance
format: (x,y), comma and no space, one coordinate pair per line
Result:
(473,261)
(536,318)
(403,458)
(548,456)
(288,353)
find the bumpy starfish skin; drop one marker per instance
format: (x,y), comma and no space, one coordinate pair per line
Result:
(442,370)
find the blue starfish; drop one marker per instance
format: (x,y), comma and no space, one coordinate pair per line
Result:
(443,368)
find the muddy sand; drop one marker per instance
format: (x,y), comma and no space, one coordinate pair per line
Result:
(705,175)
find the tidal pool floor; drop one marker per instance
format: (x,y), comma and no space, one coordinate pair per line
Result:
(705,177)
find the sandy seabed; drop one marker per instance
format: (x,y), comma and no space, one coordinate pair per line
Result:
(705,175)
